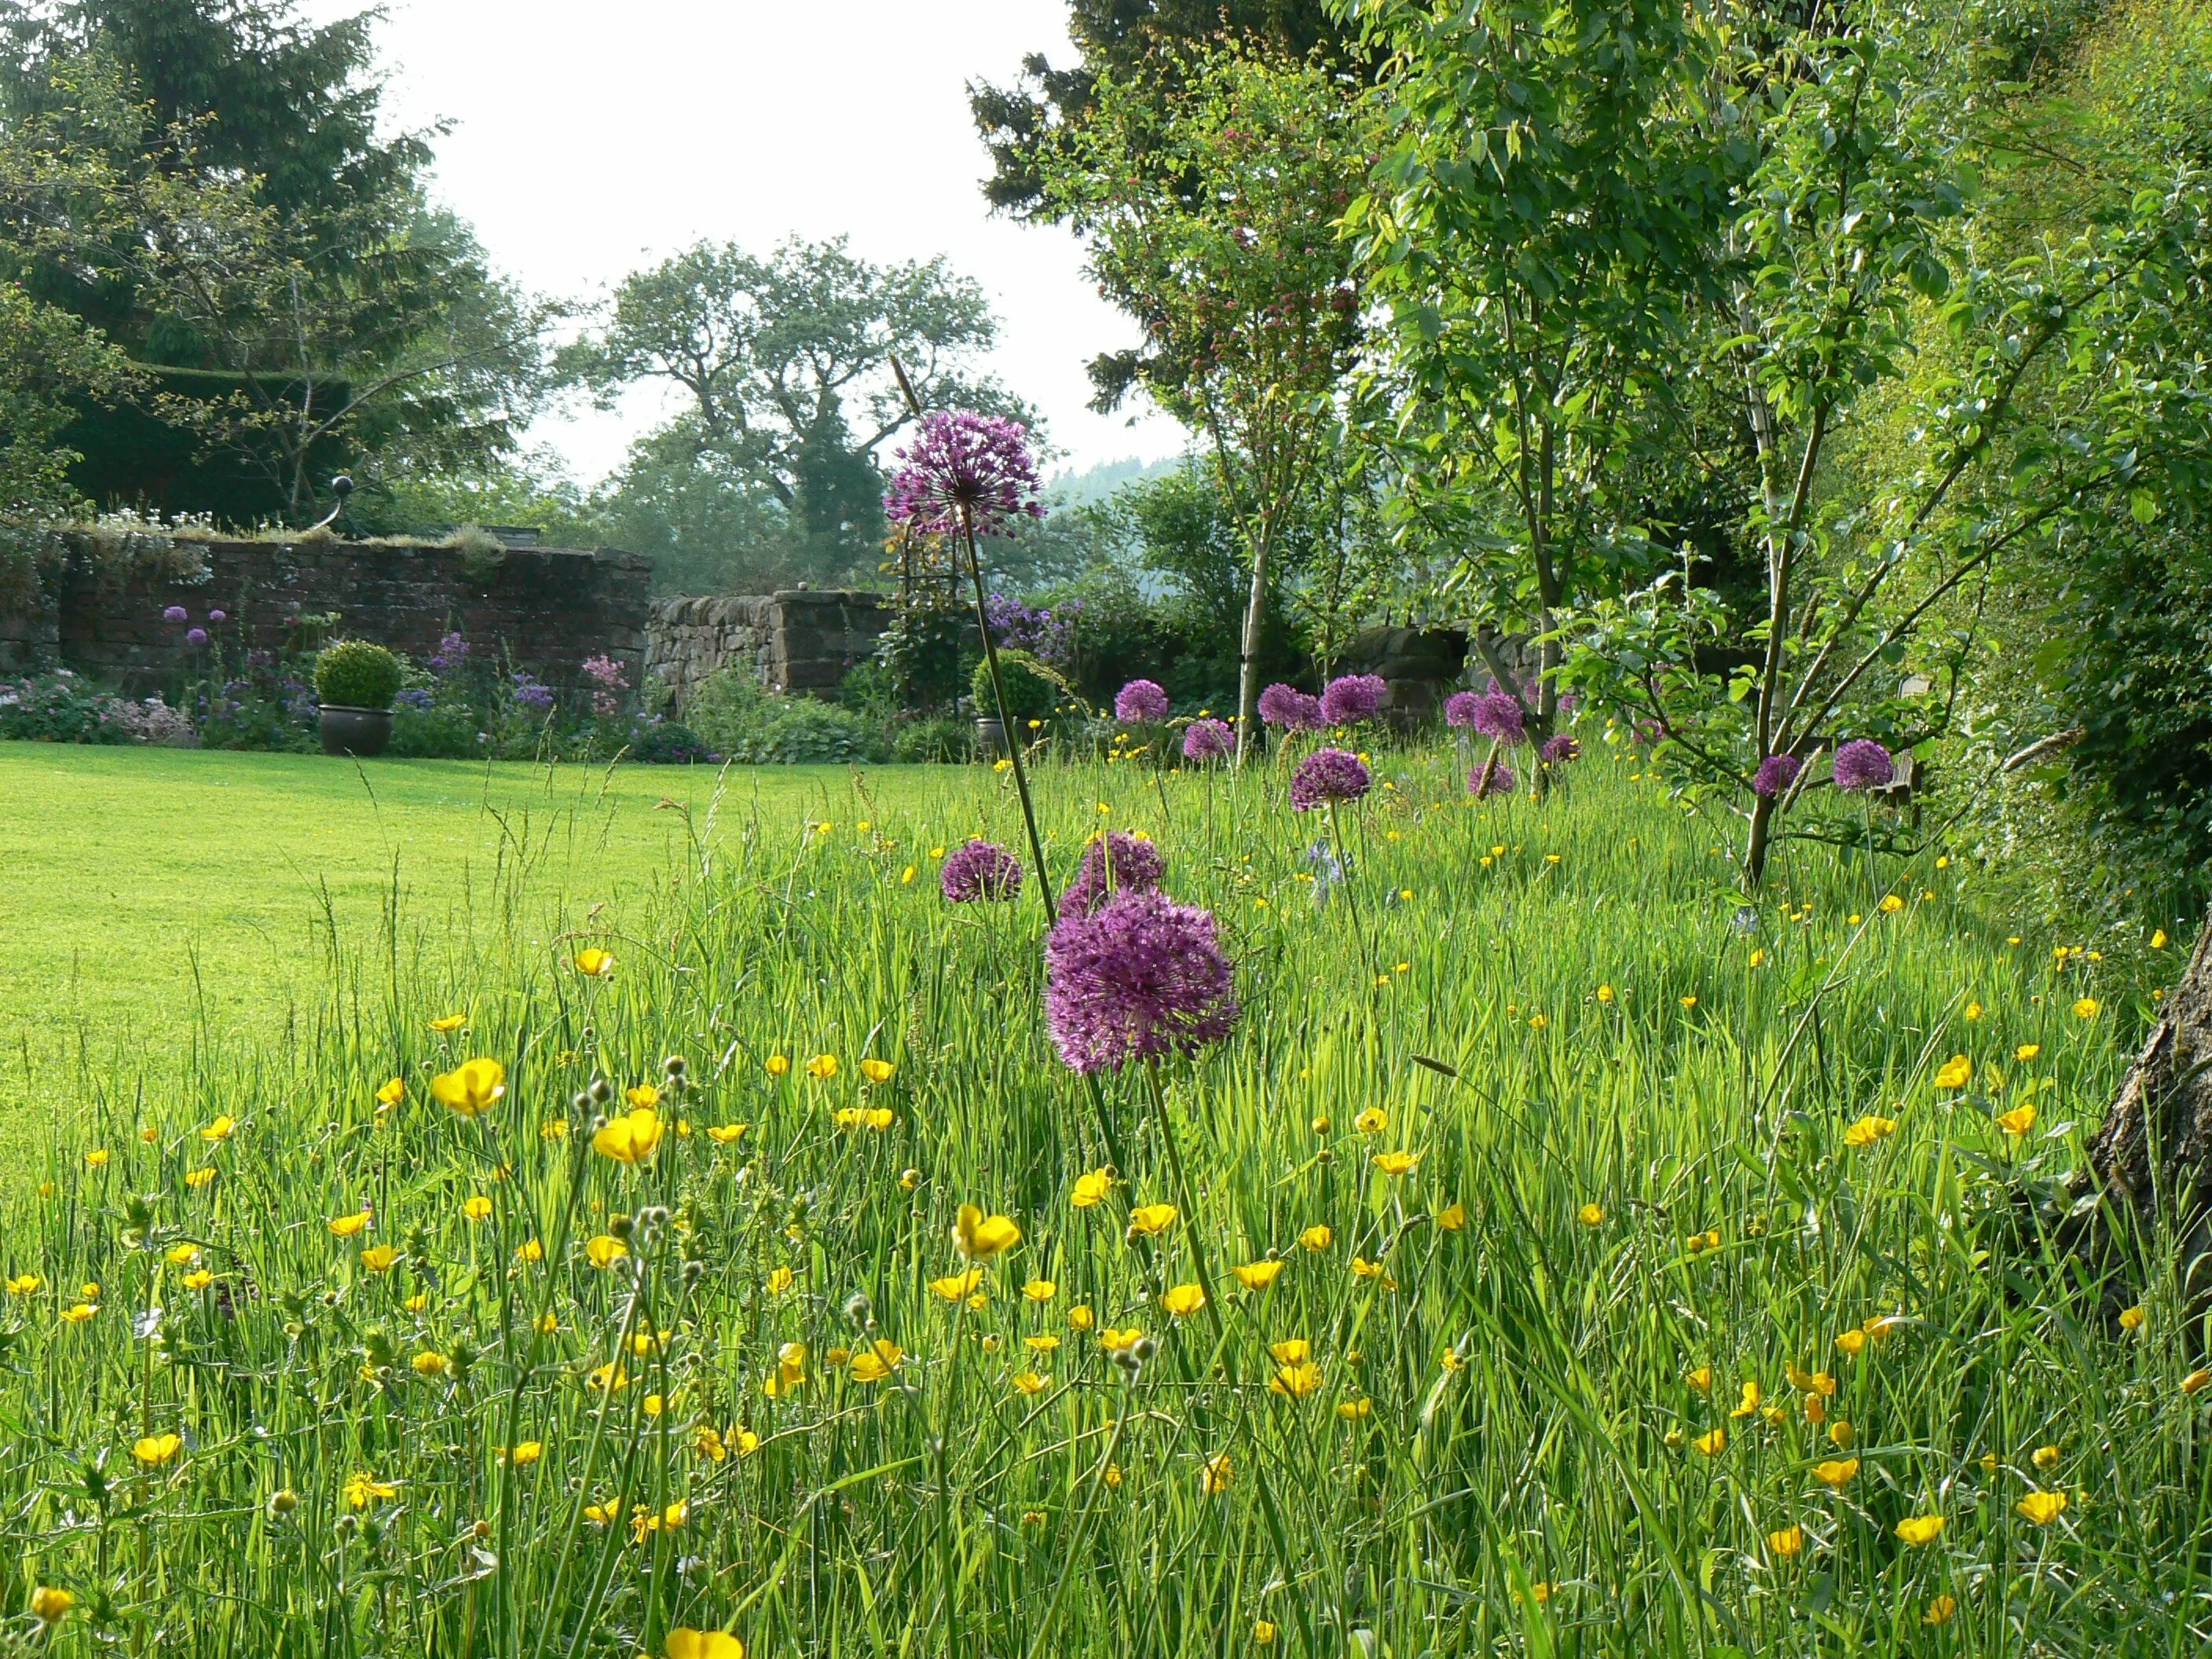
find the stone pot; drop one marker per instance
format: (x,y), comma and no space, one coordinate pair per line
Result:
(348,730)
(990,737)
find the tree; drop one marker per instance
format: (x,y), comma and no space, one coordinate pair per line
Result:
(784,365)
(1210,217)
(1541,222)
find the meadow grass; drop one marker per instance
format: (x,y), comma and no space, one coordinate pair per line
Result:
(1701,1285)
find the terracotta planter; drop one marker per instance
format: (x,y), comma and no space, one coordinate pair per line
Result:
(358,731)
(990,737)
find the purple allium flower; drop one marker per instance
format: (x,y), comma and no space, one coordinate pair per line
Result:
(962,459)
(1863,763)
(1114,863)
(195,636)
(176,613)
(1290,708)
(1327,775)
(1559,751)
(1775,775)
(1498,715)
(1208,740)
(1139,702)
(218,616)
(1459,708)
(980,869)
(1138,978)
(1502,782)
(1352,697)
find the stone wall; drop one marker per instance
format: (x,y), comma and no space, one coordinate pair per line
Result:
(1417,664)
(800,641)
(543,609)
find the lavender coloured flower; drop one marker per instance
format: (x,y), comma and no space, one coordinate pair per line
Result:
(1112,864)
(218,616)
(961,460)
(1501,782)
(1498,715)
(532,693)
(195,636)
(1208,740)
(1775,775)
(452,654)
(1352,697)
(1863,763)
(1325,776)
(1459,708)
(1140,702)
(1141,978)
(980,869)
(1559,751)
(1290,708)
(176,613)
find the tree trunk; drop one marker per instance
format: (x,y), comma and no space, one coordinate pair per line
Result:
(2150,1162)
(1248,664)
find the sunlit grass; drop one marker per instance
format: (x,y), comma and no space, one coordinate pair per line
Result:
(1520,1420)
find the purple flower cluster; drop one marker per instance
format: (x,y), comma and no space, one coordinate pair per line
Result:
(1459,709)
(532,693)
(420,698)
(1863,763)
(1498,715)
(1141,978)
(451,656)
(1140,702)
(1113,864)
(1501,782)
(1046,635)
(176,613)
(195,636)
(1328,776)
(980,869)
(1559,750)
(1775,775)
(962,461)
(1209,740)
(1351,698)
(609,681)
(1290,708)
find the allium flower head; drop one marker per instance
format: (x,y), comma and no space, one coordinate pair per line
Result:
(1775,775)
(1863,763)
(218,616)
(959,459)
(1459,708)
(1352,697)
(1559,751)
(1138,978)
(980,869)
(1328,775)
(1502,782)
(1139,702)
(1208,740)
(1498,715)
(176,613)
(195,636)
(1290,708)
(1114,863)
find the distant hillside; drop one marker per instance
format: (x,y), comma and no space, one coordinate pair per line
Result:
(1096,483)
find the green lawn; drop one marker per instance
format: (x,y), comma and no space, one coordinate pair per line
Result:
(156,895)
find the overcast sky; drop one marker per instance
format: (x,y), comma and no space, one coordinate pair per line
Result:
(595,136)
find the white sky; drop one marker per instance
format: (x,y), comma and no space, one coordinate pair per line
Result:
(594,137)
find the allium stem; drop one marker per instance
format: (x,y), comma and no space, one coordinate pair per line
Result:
(1007,718)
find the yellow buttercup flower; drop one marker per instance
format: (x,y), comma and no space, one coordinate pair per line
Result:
(1354,1409)
(1294,1351)
(430,1363)
(1712,1442)
(1148,1219)
(221,1129)
(1836,1473)
(77,1313)
(1080,1318)
(1030,1383)
(1090,1189)
(876,1362)
(593,962)
(1218,1473)
(1748,1402)
(2197,1382)
(605,1250)
(379,1257)
(1296,1380)
(345,1227)
(952,1288)
(1786,1540)
(1605,994)
(686,1642)
(723,1134)
(1114,1340)
(50,1606)
(2017,1122)
(1452,1218)
(1920,1528)
(1258,1275)
(631,1138)
(2133,1319)
(876,1071)
(1868,1130)
(470,1087)
(1396,1164)
(198,1178)
(1372,1122)
(1318,1237)
(1183,1300)
(1590,1215)
(447,1025)
(2042,1508)
(979,1236)
(477,1207)
(525,1453)
(1701,1379)
(1940,1610)
(2086,1008)
(156,1448)
(1263,1631)
(1850,1343)
(1955,1073)
(778,1065)
(392,1093)
(362,1489)
(1890,904)
(96,1158)
(22,1284)
(822,1067)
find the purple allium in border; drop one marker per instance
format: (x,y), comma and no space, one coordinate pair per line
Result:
(1328,775)
(176,613)
(1459,708)
(1208,740)
(1775,775)
(1863,763)
(1140,702)
(1290,708)
(1113,864)
(1559,751)
(1498,715)
(980,869)
(1352,697)
(1502,782)
(1141,978)
(195,636)
(959,459)
(218,616)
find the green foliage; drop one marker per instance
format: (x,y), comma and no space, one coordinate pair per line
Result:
(743,723)
(357,674)
(1033,690)
(60,708)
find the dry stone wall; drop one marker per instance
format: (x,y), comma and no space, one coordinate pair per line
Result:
(802,640)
